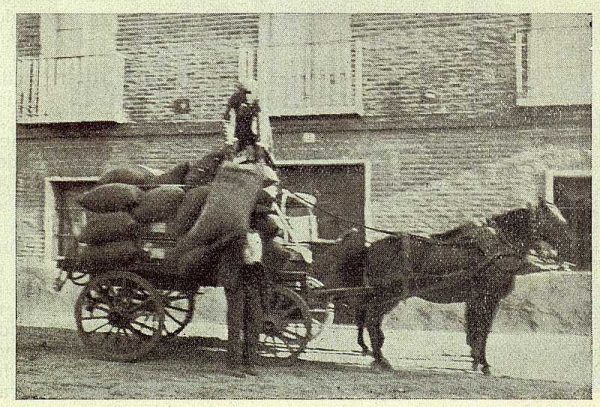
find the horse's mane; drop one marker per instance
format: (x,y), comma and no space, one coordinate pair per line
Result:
(452,233)
(515,221)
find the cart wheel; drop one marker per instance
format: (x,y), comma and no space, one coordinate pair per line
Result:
(286,325)
(120,316)
(179,308)
(322,311)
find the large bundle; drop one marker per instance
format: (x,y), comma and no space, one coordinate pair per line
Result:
(110,227)
(128,174)
(265,225)
(203,171)
(159,204)
(112,254)
(189,210)
(231,200)
(175,175)
(115,197)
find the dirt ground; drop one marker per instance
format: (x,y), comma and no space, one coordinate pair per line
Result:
(52,364)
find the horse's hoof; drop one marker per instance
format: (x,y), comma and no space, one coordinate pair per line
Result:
(486,370)
(474,366)
(367,352)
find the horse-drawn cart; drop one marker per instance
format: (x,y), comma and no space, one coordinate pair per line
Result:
(123,312)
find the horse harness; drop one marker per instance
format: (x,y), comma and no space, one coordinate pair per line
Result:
(491,257)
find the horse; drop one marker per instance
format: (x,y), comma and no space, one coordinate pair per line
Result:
(474,263)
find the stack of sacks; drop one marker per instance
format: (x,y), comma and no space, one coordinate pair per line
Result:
(119,212)
(223,200)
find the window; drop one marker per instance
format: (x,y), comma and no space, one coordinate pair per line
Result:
(308,65)
(571,192)
(78,76)
(554,60)
(64,217)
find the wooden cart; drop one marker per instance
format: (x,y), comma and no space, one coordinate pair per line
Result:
(123,313)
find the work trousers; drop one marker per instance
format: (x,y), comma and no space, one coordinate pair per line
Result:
(244,316)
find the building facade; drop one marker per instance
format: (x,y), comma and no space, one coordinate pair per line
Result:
(413,122)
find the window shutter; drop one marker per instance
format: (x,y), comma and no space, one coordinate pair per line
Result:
(559,59)
(305,64)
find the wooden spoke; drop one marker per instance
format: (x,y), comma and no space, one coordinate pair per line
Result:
(97,328)
(93,317)
(179,309)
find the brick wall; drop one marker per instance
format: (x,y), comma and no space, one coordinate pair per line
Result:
(466,59)
(169,56)
(28,35)
(421,180)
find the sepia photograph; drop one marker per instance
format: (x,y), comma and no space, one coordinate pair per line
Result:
(303,205)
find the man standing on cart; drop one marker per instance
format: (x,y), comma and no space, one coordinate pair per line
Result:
(247,125)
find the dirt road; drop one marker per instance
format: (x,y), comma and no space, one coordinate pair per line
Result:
(51,363)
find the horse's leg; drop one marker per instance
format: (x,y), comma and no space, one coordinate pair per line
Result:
(360,325)
(480,312)
(470,329)
(374,319)
(490,310)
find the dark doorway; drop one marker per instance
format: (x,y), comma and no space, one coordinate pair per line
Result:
(340,193)
(573,196)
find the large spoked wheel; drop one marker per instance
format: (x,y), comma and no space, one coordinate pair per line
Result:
(120,316)
(286,327)
(322,311)
(179,309)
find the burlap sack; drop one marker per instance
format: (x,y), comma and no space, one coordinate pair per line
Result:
(128,174)
(200,262)
(203,171)
(109,227)
(230,202)
(175,175)
(189,210)
(110,255)
(111,198)
(265,198)
(266,226)
(159,204)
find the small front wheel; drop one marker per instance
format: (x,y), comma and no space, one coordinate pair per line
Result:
(286,327)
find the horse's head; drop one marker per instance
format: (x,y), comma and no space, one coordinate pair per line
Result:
(550,230)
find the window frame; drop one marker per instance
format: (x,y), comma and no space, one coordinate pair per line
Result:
(52,190)
(551,175)
(524,66)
